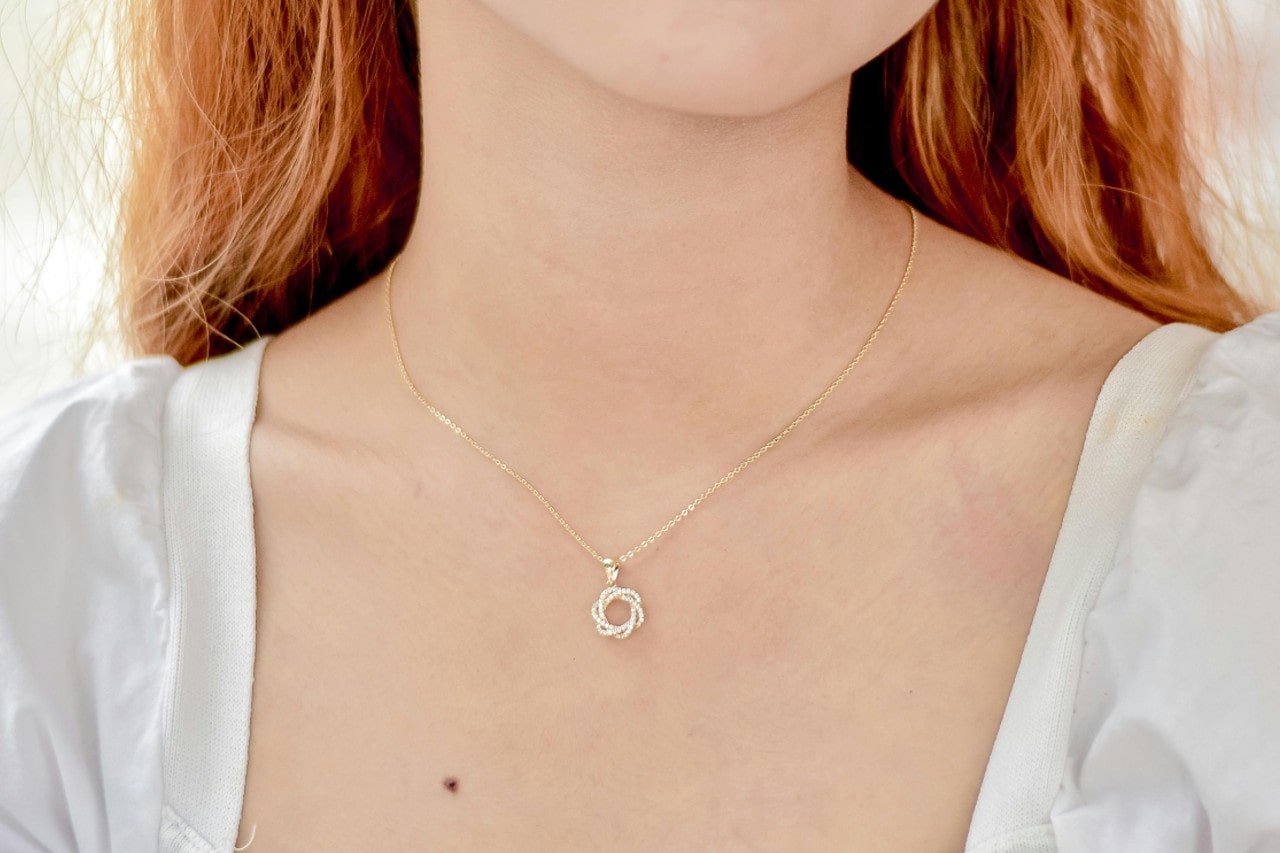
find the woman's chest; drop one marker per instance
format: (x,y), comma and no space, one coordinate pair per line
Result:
(828,675)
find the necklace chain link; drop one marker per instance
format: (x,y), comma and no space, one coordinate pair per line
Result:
(713,488)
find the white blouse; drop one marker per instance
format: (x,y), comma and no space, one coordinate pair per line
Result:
(1144,715)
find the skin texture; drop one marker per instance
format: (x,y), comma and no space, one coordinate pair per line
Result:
(745,58)
(639,253)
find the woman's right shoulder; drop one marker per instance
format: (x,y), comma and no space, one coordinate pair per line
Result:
(80,447)
(84,589)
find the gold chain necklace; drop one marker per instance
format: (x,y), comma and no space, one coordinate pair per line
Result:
(611,590)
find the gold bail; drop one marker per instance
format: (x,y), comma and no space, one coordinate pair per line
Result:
(610,571)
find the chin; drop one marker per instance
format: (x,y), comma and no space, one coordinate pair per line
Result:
(731,58)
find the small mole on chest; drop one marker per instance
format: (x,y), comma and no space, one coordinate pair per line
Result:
(451,784)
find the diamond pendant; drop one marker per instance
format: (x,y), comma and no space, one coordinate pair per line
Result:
(611,593)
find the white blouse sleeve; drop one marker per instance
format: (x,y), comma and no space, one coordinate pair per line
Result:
(1175,739)
(83,614)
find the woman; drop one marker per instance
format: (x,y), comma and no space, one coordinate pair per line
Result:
(1007,582)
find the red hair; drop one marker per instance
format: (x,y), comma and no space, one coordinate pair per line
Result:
(277,148)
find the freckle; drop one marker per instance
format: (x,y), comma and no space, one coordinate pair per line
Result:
(451,783)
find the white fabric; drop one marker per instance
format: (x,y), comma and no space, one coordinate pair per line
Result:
(209,518)
(1175,742)
(84,612)
(1027,759)
(1144,715)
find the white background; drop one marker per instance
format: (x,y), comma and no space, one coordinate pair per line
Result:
(51,259)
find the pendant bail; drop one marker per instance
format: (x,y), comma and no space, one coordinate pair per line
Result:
(610,571)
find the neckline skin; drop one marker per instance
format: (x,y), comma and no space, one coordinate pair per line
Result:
(215,626)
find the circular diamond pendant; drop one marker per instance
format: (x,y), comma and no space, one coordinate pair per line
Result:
(612,592)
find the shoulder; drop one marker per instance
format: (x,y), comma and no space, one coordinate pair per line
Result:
(1215,474)
(83,611)
(122,403)
(1175,740)
(76,459)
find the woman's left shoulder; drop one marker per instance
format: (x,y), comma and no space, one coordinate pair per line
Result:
(1220,451)
(1214,479)
(1175,737)
(1209,500)
(1236,386)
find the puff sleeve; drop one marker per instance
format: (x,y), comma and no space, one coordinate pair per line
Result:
(84,594)
(1175,738)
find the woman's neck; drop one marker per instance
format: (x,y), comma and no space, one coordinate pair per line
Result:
(584,261)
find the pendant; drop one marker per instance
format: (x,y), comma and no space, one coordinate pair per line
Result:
(611,593)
